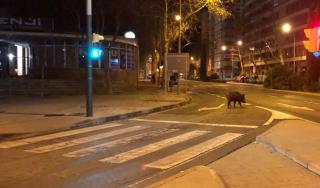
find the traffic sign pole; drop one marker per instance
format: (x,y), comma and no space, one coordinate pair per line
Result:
(89,61)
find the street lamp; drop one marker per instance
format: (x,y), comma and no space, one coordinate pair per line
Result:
(240,43)
(178,18)
(224,48)
(287,28)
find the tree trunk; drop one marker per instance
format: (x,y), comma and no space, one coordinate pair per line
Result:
(107,72)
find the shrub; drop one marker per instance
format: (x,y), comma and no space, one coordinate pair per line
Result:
(283,77)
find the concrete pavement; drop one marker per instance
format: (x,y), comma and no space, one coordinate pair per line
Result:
(287,155)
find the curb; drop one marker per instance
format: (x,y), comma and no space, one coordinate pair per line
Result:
(244,84)
(315,168)
(105,119)
(198,176)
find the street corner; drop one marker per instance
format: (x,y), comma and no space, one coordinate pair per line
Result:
(195,177)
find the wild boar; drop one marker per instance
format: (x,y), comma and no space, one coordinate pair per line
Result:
(235,97)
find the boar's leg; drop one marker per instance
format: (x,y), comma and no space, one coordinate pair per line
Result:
(240,103)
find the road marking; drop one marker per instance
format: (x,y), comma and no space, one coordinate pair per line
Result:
(22,142)
(74,142)
(144,150)
(121,141)
(312,102)
(194,123)
(187,154)
(296,107)
(276,115)
(217,96)
(213,108)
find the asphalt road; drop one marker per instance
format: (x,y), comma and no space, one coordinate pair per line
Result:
(139,151)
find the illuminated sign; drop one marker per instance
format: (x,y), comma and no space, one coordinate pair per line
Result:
(18,23)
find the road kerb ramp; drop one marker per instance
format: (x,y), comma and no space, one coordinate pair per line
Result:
(195,177)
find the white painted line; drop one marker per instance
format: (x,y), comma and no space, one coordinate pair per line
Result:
(195,123)
(187,154)
(22,142)
(213,108)
(144,150)
(121,141)
(74,142)
(276,115)
(312,102)
(296,107)
(217,96)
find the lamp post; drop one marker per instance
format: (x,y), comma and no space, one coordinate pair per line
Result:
(223,48)
(89,106)
(239,43)
(287,28)
(178,18)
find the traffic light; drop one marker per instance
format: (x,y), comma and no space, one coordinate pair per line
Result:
(95,53)
(312,45)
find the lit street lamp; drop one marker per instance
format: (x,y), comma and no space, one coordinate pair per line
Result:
(287,28)
(224,48)
(178,18)
(240,43)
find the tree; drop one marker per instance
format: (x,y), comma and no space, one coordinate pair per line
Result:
(189,19)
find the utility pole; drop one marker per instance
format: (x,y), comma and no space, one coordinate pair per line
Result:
(179,49)
(89,61)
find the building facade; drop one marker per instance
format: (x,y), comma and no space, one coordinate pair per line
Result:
(265,43)
(223,37)
(28,51)
(258,25)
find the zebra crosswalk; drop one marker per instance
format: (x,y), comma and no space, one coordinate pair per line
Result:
(95,141)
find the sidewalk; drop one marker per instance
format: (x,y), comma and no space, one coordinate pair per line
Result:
(32,115)
(279,158)
(288,155)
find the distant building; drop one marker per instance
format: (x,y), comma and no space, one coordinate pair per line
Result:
(258,25)
(224,32)
(30,49)
(265,44)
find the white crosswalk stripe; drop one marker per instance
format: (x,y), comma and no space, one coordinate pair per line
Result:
(187,154)
(141,151)
(22,142)
(142,134)
(74,142)
(118,142)
(195,123)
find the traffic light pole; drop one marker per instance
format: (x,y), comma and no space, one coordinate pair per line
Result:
(89,61)
(294,52)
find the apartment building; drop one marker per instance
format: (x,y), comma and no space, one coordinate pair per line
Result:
(224,33)
(266,44)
